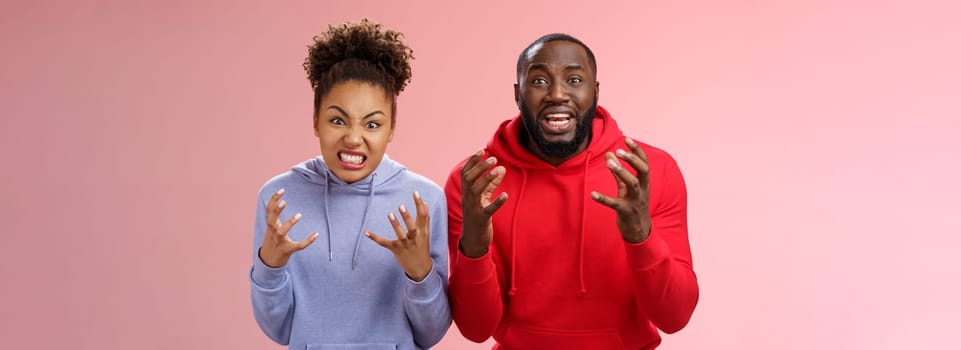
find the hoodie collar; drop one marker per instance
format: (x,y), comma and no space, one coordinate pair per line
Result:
(605,134)
(505,145)
(316,171)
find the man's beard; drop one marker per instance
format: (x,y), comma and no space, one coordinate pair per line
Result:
(557,149)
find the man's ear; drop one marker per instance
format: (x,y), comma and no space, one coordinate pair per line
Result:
(517,93)
(597,89)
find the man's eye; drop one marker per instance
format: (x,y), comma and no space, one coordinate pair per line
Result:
(539,81)
(576,80)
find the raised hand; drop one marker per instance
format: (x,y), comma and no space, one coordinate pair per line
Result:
(633,193)
(411,248)
(277,247)
(477,206)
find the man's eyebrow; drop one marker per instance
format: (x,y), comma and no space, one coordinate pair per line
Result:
(537,66)
(544,67)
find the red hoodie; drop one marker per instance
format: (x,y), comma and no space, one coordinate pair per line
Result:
(558,274)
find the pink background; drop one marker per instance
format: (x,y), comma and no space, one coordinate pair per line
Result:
(819,139)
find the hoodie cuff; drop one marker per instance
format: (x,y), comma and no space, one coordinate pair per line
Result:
(426,289)
(474,270)
(267,277)
(647,254)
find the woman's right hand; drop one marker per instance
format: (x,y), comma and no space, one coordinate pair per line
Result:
(277,247)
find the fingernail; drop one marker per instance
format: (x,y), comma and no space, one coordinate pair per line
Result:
(492,160)
(391,216)
(479,153)
(594,195)
(366,233)
(297,216)
(281,191)
(416,195)
(402,208)
(620,152)
(282,204)
(612,164)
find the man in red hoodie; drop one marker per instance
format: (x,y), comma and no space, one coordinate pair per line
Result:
(564,233)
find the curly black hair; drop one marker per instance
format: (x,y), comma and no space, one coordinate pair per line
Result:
(360,51)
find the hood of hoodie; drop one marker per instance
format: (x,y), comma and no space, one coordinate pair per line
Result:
(505,145)
(316,171)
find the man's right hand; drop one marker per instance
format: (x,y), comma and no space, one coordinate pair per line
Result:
(477,188)
(277,247)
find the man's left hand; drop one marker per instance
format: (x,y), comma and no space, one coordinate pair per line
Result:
(633,193)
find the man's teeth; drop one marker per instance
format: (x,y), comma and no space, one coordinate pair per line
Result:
(558,119)
(350,158)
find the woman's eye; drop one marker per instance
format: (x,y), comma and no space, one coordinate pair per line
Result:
(373,125)
(337,121)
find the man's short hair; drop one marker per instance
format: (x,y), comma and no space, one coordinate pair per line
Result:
(522,59)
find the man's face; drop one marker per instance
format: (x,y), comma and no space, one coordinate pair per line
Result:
(557,97)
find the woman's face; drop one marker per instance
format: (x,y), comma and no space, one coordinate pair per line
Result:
(354,126)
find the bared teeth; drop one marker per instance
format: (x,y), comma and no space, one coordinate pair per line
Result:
(350,158)
(558,120)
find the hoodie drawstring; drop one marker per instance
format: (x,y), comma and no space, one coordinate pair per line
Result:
(513,289)
(580,262)
(363,222)
(330,249)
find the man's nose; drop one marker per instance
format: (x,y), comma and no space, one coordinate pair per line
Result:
(557,93)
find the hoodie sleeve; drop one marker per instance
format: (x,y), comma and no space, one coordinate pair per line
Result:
(270,289)
(476,300)
(426,304)
(661,266)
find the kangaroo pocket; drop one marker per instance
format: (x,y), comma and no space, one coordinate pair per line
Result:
(527,337)
(353,346)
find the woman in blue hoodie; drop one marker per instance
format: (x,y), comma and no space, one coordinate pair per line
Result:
(350,247)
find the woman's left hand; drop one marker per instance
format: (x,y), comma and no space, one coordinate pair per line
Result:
(412,247)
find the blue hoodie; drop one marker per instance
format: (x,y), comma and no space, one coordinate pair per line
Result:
(345,291)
